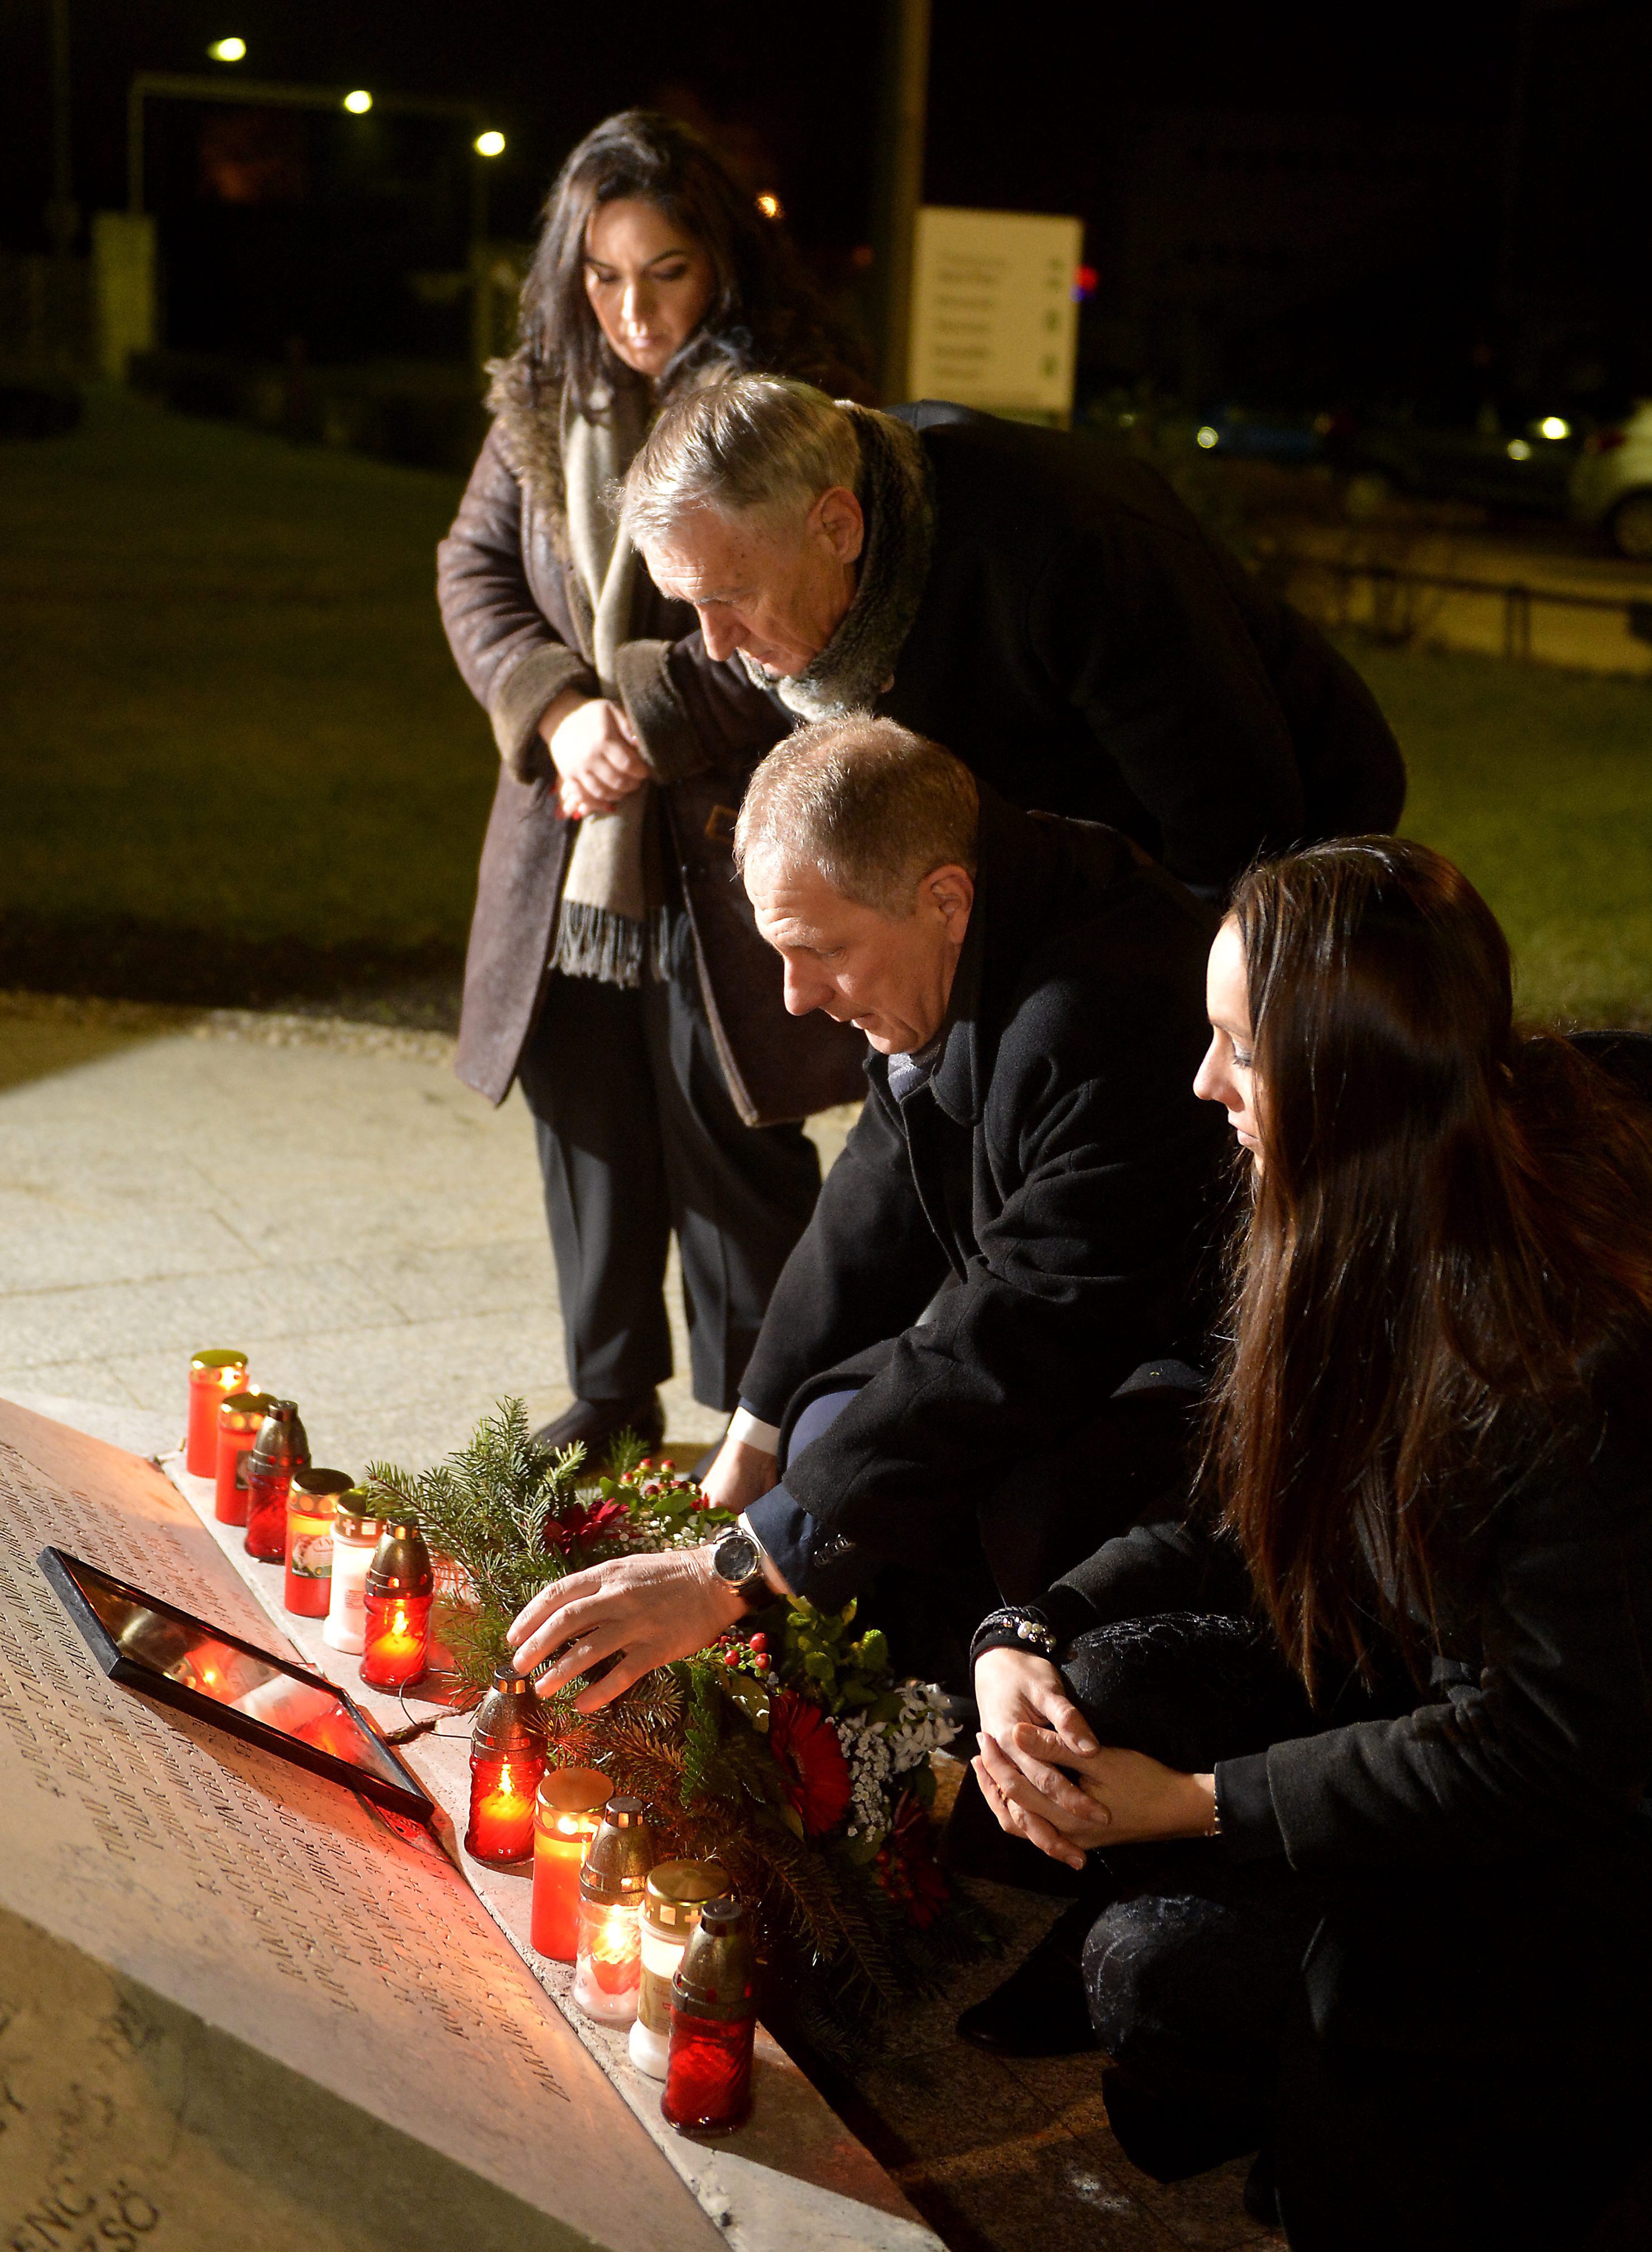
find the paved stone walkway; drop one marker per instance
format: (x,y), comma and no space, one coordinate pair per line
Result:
(327,1195)
(331,1198)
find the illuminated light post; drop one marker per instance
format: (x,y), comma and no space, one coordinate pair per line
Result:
(359,102)
(489,145)
(770,206)
(228,51)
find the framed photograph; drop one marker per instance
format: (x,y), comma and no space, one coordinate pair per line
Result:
(152,1646)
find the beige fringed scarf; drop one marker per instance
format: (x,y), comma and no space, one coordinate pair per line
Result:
(609,921)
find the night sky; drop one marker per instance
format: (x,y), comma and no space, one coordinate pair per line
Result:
(1109,111)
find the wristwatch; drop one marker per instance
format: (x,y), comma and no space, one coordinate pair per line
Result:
(738,1562)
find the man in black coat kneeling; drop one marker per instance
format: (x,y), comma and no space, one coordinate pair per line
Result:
(975,1367)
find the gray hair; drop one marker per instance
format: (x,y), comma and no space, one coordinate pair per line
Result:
(872,806)
(756,443)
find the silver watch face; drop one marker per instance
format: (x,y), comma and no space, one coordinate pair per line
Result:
(735,1559)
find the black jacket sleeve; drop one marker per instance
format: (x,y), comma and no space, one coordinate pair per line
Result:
(1079,1277)
(1170,1567)
(866,1266)
(1548,1740)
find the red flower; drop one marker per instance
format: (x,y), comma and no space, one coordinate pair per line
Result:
(811,1759)
(906,1866)
(584,1520)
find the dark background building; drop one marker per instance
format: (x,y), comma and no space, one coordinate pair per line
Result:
(1418,206)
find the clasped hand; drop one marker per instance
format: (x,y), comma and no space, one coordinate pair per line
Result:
(1047,1779)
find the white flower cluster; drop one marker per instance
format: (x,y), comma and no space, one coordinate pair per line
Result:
(880,1752)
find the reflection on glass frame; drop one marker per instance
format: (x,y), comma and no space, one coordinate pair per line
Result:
(180,1660)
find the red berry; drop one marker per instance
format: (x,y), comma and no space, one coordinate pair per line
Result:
(760,1641)
(731,1657)
(666,1463)
(763,1661)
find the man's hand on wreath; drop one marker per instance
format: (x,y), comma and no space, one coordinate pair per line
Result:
(650,1609)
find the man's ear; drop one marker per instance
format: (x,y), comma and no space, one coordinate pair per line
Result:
(951,890)
(838,515)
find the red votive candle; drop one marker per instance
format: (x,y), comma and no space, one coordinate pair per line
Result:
(280,1450)
(214,1374)
(708,2078)
(310,1505)
(567,1815)
(608,1967)
(395,1604)
(507,1759)
(239,1420)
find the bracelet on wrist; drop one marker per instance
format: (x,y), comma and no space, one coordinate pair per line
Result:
(1016,1626)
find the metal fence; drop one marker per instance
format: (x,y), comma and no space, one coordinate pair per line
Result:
(1391,583)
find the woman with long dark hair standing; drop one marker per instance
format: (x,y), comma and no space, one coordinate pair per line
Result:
(610,968)
(1362,1750)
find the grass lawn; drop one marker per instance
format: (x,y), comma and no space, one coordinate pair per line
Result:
(1538,783)
(230,729)
(237,763)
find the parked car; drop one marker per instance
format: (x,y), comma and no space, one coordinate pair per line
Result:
(1612,483)
(1503,463)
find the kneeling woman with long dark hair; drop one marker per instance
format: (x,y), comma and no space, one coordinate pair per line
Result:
(1356,1758)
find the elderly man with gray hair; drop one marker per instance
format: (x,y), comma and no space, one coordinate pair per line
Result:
(974,1367)
(1040,603)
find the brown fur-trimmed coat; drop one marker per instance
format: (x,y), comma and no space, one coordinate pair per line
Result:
(518,622)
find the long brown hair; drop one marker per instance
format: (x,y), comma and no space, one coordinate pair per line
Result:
(766,313)
(1449,1221)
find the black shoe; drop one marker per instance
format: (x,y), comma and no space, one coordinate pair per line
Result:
(1040,2010)
(1172,2138)
(595,1424)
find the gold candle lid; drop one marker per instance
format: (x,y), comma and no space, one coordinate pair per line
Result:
(227,1355)
(677,1891)
(244,1411)
(322,1483)
(357,1510)
(574,1791)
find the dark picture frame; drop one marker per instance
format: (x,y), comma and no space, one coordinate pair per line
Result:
(380,1775)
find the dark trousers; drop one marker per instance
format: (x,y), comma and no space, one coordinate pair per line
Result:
(1048,1514)
(1447,2060)
(639,1139)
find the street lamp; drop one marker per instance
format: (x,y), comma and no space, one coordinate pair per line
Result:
(489,145)
(359,102)
(228,51)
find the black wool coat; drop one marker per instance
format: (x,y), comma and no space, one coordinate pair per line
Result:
(1057,1173)
(1480,1838)
(1087,647)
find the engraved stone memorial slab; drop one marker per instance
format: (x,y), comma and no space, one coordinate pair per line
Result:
(241,2008)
